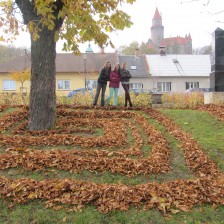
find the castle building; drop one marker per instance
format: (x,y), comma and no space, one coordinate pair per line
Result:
(172,45)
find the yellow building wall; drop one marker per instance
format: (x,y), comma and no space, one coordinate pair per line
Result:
(5,76)
(77,80)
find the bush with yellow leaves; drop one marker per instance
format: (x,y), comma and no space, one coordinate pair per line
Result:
(141,100)
(85,99)
(14,98)
(183,100)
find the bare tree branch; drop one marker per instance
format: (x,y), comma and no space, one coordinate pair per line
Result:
(207,3)
(214,12)
(189,1)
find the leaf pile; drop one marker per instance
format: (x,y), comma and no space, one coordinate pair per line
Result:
(114,134)
(214,109)
(172,196)
(75,161)
(3,107)
(10,119)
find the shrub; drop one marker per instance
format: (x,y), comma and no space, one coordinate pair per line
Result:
(141,100)
(14,98)
(63,100)
(183,100)
(83,99)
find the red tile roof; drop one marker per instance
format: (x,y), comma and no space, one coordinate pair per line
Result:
(157,15)
(150,45)
(174,40)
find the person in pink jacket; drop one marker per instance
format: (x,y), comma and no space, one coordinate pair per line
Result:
(114,84)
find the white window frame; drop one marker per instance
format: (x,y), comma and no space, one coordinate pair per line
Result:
(62,84)
(133,67)
(191,85)
(136,85)
(164,86)
(9,84)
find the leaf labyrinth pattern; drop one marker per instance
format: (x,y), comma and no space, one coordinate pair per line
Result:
(109,151)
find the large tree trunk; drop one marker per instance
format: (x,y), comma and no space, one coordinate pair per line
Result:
(42,110)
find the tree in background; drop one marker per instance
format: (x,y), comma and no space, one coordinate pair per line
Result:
(144,49)
(48,21)
(21,77)
(130,49)
(8,52)
(203,50)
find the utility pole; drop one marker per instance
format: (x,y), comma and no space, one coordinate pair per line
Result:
(84,57)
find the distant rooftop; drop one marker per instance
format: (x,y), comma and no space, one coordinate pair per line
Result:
(179,65)
(137,66)
(65,62)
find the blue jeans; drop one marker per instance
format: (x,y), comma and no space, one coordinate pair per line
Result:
(113,91)
(100,87)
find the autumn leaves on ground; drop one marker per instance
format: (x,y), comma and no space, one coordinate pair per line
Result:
(132,145)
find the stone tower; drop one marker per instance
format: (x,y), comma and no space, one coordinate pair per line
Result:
(157,29)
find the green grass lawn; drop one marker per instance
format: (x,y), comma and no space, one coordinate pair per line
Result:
(206,129)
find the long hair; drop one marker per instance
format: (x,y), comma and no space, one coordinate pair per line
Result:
(119,69)
(105,66)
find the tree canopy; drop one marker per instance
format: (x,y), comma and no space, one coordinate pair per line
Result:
(8,52)
(78,21)
(203,50)
(143,47)
(20,76)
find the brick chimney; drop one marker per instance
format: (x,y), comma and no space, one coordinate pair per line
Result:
(137,52)
(162,51)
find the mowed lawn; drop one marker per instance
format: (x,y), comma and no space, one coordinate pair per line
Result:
(205,128)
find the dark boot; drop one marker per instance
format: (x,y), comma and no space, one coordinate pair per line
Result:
(126,102)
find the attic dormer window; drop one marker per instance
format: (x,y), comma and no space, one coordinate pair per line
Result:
(133,67)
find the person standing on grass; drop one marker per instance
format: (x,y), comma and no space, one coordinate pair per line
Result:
(125,76)
(115,79)
(102,83)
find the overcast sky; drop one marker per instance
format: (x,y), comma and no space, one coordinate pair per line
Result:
(180,17)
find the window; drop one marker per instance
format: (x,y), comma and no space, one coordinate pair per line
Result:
(64,84)
(164,86)
(133,67)
(191,85)
(136,85)
(9,85)
(90,83)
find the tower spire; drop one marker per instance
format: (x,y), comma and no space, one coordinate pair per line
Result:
(157,15)
(157,29)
